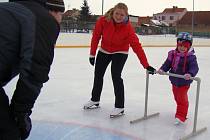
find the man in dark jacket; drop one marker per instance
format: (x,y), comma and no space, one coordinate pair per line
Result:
(28,33)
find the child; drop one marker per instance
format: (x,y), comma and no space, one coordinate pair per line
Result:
(181,61)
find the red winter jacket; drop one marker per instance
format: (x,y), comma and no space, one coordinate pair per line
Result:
(116,38)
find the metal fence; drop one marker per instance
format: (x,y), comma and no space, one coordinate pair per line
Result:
(72,26)
(155,30)
(76,26)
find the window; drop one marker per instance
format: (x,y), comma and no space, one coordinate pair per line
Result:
(163,18)
(171,17)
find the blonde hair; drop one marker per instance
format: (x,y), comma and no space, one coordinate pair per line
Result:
(110,12)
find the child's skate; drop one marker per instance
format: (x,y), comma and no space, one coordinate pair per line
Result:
(178,122)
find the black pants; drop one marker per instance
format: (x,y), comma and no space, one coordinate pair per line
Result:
(8,128)
(117,63)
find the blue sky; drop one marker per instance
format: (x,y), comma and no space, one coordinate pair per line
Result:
(140,7)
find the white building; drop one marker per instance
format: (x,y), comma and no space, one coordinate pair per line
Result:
(170,15)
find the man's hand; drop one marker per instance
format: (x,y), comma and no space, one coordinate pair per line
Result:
(24,124)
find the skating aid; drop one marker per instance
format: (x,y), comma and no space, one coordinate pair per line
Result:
(195,131)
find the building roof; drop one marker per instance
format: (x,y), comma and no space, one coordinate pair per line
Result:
(175,9)
(200,17)
(72,13)
(144,20)
(159,23)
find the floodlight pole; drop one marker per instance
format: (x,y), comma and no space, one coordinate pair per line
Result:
(193,19)
(102,10)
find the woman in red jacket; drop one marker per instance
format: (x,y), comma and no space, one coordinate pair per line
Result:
(117,35)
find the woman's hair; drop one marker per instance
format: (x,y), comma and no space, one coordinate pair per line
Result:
(110,12)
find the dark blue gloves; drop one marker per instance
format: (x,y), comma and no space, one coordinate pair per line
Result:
(24,124)
(151,70)
(92,60)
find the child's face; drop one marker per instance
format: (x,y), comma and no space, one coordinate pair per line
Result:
(182,49)
(183,46)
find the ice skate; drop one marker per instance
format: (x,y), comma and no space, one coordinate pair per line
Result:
(178,121)
(117,112)
(91,105)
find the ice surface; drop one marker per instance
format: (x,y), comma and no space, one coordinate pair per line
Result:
(58,113)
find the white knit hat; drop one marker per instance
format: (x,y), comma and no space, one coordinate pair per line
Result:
(55,5)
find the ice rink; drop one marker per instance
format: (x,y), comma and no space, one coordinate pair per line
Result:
(59,115)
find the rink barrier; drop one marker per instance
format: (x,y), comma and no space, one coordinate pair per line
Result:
(145,117)
(146,46)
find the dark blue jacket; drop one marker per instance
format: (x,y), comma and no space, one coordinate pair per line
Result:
(181,64)
(28,34)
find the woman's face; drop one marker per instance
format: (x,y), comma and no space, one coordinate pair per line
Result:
(119,15)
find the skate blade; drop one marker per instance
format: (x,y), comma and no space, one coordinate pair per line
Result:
(116,116)
(92,107)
